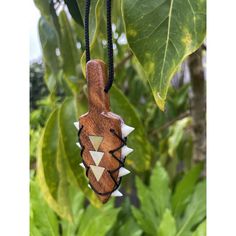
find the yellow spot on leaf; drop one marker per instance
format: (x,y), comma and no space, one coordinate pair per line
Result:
(160,101)
(187,38)
(132,32)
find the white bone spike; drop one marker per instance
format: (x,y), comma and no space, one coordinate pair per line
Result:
(123,171)
(76,124)
(78,144)
(82,165)
(126,130)
(117,193)
(126,151)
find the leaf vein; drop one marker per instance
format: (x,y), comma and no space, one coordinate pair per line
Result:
(167,43)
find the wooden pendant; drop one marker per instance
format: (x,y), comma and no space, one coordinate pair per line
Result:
(102,137)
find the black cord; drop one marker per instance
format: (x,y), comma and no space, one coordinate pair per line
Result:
(86,29)
(109,48)
(109,42)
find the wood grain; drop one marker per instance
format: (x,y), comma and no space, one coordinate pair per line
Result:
(98,122)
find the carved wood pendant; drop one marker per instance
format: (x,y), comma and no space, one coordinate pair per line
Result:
(102,137)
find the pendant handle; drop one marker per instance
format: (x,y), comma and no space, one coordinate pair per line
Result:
(96,75)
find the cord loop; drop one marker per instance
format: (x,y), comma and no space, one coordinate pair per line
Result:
(109,41)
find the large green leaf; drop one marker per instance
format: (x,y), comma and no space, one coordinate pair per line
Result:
(161,34)
(184,190)
(159,187)
(68,114)
(195,211)
(49,42)
(43,221)
(69,51)
(167,225)
(51,163)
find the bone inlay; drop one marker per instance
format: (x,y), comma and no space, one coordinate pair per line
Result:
(97,156)
(97,171)
(96,141)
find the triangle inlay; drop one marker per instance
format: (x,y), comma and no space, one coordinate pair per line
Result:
(96,141)
(97,156)
(97,171)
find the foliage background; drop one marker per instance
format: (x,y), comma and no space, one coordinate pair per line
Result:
(165,192)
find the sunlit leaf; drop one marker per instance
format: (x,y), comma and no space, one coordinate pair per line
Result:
(51,172)
(43,221)
(167,225)
(162,34)
(201,230)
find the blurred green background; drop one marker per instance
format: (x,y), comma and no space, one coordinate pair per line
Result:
(165,193)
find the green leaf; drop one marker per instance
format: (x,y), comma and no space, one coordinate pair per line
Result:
(67,116)
(51,173)
(146,216)
(195,211)
(49,42)
(77,202)
(129,227)
(162,34)
(74,11)
(176,135)
(97,221)
(43,6)
(201,230)
(184,190)
(140,158)
(159,187)
(43,221)
(125,223)
(69,51)
(167,225)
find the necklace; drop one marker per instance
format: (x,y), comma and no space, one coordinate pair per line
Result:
(102,135)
